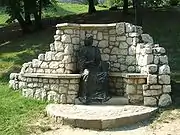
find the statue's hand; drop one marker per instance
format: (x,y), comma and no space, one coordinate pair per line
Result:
(85,74)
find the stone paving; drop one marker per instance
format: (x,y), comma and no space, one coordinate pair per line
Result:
(98,116)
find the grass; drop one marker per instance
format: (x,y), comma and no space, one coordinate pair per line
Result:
(60,9)
(16,111)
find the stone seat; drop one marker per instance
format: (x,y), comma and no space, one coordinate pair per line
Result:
(68,85)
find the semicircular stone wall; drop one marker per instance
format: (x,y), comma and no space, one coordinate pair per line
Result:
(123,45)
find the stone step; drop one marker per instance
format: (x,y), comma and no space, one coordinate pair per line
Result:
(116,100)
(98,116)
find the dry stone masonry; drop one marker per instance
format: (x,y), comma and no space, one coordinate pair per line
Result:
(139,68)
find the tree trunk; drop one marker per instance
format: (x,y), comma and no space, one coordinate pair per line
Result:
(125,6)
(91,7)
(138,10)
(27,12)
(17,14)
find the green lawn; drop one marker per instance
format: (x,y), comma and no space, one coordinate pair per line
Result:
(16,111)
(61,9)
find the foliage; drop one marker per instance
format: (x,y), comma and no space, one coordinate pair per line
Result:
(22,10)
(110,3)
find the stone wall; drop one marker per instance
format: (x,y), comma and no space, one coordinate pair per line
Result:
(122,45)
(55,88)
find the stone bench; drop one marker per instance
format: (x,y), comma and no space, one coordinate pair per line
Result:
(63,88)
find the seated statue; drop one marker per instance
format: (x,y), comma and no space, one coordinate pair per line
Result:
(94,81)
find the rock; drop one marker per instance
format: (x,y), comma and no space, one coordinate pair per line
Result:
(129,40)
(135,99)
(131,69)
(120,28)
(121,38)
(106,50)
(36,63)
(148,59)
(152,79)
(54,87)
(164,79)
(159,50)
(70,66)
(54,65)
(165,100)
(112,38)
(130,60)
(112,32)
(146,50)
(150,101)
(123,67)
(59,32)
(53,96)
(67,59)
(156,87)
(74,87)
(139,47)
(116,65)
(99,36)
(60,70)
(113,58)
(68,49)
(49,56)
(103,43)
(130,89)
(146,38)
(123,51)
(166,88)
(75,40)
(39,70)
(163,59)
(132,50)
(115,50)
(44,65)
(129,27)
(123,45)
(13,76)
(41,57)
(57,37)
(66,38)
(156,60)
(164,69)
(152,68)
(152,92)
(68,31)
(133,34)
(58,46)
(59,56)
(63,99)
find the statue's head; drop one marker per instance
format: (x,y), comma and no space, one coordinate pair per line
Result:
(88,40)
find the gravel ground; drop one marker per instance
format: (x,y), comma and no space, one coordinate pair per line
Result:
(168,128)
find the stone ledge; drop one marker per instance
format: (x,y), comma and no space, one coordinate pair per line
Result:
(112,74)
(92,116)
(42,75)
(85,25)
(128,75)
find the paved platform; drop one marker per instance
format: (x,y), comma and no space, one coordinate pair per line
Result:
(113,101)
(99,116)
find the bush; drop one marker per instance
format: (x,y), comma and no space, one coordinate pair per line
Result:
(173,2)
(111,3)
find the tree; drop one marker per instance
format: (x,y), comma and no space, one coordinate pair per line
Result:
(91,8)
(22,11)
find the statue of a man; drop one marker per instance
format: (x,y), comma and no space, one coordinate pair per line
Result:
(94,82)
